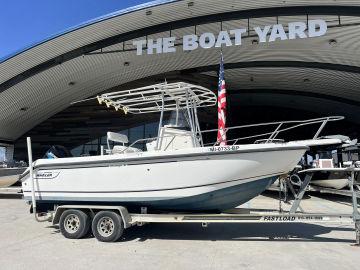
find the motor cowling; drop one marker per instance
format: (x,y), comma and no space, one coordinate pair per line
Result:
(57,151)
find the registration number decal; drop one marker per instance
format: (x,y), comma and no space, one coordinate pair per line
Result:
(224,148)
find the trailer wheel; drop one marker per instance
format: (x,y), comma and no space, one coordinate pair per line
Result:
(74,224)
(107,226)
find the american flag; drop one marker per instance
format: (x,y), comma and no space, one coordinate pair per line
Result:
(221,136)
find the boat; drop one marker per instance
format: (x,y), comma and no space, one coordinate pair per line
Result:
(322,177)
(10,175)
(329,179)
(324,159)
(177,172)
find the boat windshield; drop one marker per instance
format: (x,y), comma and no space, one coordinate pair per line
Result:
(178,119)
(326,154)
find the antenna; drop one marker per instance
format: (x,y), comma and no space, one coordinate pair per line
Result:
(83,100)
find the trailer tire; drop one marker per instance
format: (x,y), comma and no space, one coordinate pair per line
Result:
(74,224)
(107,226)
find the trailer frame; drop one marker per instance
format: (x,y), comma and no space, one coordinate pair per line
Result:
(239,216)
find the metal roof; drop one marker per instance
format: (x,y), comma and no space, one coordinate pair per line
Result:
(62,69)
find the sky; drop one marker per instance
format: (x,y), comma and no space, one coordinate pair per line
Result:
(24,22)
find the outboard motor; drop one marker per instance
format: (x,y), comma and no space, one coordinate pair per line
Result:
(57,151)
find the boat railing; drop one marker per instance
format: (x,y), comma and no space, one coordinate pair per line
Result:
(268,137)
(280,127)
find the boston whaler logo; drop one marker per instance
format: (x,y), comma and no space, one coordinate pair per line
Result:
(47,174)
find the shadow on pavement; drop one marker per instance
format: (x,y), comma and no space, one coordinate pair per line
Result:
(275,195)
(11,196)
(235,232)
(346,200)
(299,232)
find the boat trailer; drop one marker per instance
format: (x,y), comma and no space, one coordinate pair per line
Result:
(237,215)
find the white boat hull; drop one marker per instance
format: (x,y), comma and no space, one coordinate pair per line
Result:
(7,181)
(194,179)
(331,183)
(9,176)
(330,179)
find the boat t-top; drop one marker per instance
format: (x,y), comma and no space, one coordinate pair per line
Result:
(177,171)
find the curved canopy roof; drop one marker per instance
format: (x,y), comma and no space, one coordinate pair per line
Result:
(89,59)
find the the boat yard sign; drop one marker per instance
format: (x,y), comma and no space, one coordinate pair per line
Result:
(233,37)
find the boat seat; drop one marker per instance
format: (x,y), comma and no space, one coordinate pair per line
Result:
(121,149)
(326,163)
(117,137)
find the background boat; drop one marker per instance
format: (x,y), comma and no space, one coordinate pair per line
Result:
(9,176)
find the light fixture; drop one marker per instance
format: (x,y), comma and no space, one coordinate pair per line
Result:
(251,79)
(332,42)
(148,12)
(126,64)
(254,42)
(190,4)
(71,83)
(24,109)
(306,80)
